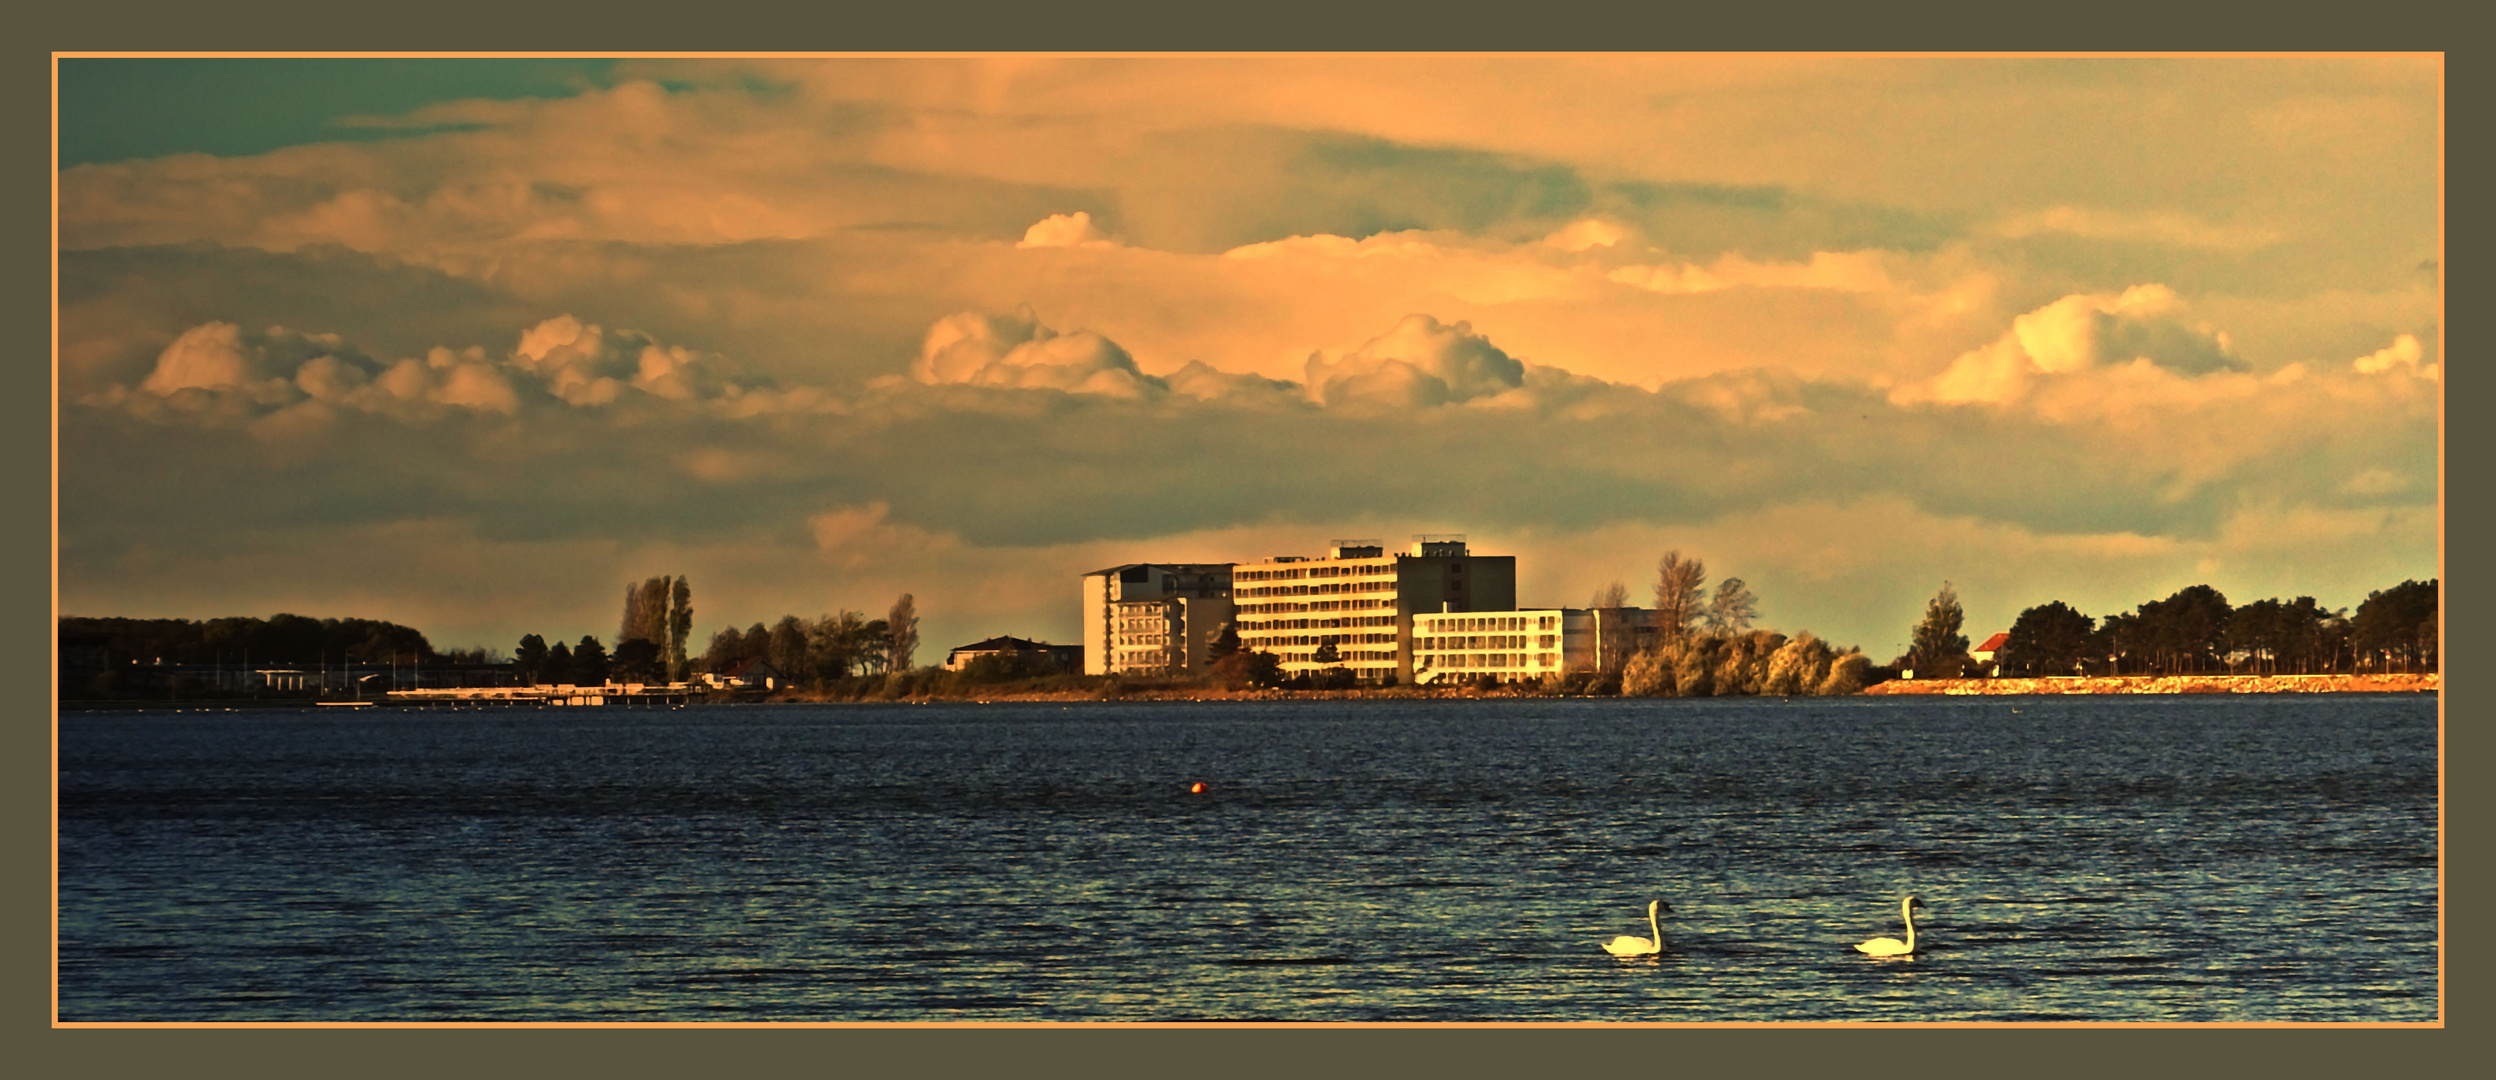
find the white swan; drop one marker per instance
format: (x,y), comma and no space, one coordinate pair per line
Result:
(1890,946)
(1632,945)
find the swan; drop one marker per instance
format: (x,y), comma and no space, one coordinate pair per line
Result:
(1632,945)
(1890,946)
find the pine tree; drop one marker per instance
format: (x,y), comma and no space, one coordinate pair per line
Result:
(1939,651)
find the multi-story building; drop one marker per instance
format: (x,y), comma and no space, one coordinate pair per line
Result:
(1354,608)
(1153,618)
(1514,646)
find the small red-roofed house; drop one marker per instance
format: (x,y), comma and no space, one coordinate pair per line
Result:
(1992,647)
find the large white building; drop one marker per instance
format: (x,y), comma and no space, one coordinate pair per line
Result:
(1516,646)
(1358,602)
(1153,618)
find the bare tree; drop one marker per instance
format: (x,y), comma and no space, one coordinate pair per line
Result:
(1679,585)
(1732,609)
(1615,595)
(902,624)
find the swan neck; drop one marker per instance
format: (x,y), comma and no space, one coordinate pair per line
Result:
(1909,911)
(1653,928)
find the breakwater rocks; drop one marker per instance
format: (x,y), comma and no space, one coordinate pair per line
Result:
(2172,684)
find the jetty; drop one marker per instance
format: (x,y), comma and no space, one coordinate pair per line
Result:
(544,695)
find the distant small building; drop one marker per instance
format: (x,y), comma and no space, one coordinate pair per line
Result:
(1038,656)
(751,673)
(1986,652)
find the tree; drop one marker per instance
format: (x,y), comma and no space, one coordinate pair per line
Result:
(1326,653)
(1937,649)
(1264,668)
(2399,625)
(902,627)
(1798,667)
(528,662)
(1614,595)
(638,660)
(1225,644)
(787,648)
(589,660)
(559,665)
(2048,639)
(1678,585)
(1732,609)
(679,627)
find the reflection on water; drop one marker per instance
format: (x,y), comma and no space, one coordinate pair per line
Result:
(2178,859)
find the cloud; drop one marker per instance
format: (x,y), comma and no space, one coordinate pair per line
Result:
(2404,354)
(1064,230)
(1419,363)
(1014,351)
(1858,271)
(2155,227)
(1585,233)
(2143,332)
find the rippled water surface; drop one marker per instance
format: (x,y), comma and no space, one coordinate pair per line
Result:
(2203,858)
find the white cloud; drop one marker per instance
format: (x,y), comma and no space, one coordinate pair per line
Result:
(2140,336)
(1014,351)
(2404,353)
(1065,230)
(1419,363)
(1585,233)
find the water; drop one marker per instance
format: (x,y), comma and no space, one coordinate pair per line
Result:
(2203,858)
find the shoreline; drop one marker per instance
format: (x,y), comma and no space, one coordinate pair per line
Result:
(2096,684)
(2172,684)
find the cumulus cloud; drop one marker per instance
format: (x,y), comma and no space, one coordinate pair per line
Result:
(217,371)
(1420,363)
(221,357)
(1015,351)
(1585,233)
(1065,230)
(2404,354)
(2142,336)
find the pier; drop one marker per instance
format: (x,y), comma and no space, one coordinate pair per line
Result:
(557,694)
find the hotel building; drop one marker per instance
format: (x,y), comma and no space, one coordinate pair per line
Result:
(1153,618)
(1515,646)
(1362,601)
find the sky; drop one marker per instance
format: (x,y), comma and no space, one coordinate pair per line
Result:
(473,344)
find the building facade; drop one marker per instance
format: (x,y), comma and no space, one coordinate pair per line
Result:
(1517,646)
(1154,618)
(1038,657)
(1354,608)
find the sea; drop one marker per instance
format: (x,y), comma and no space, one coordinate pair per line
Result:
(2104,859)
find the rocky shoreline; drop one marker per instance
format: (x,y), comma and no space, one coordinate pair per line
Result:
(2172,684)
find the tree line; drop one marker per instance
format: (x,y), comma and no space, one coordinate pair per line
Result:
(1703,644)
(278,639)
(829,647)
(657,622)
(2196,631)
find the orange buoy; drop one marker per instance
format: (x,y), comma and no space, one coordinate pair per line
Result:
(1197,788)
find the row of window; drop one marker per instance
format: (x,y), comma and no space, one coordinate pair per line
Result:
(1333,589)
(1485,641)
(1323,570)
(1460,624)
(1489,661)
